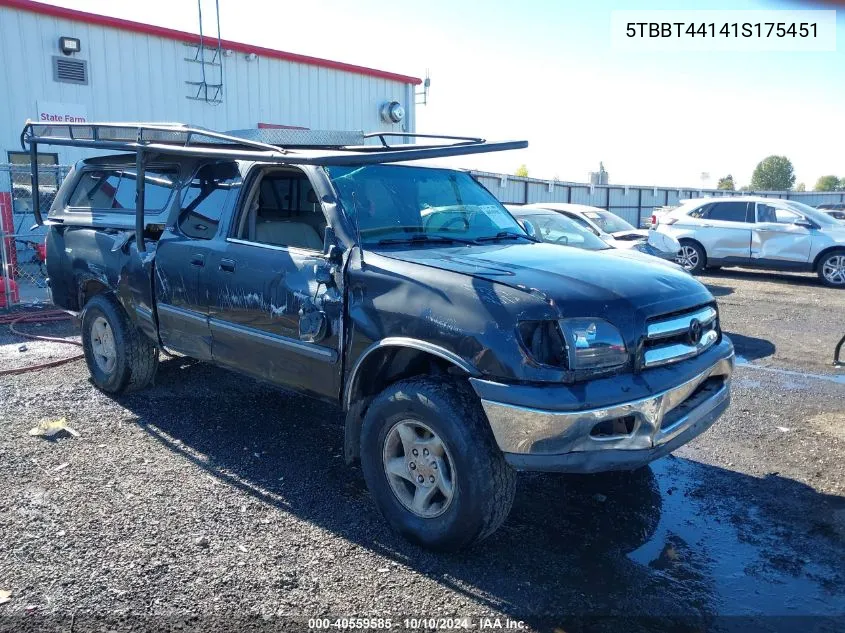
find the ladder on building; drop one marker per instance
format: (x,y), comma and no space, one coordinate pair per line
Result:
(209,59)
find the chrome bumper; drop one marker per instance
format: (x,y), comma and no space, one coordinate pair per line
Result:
(534,439)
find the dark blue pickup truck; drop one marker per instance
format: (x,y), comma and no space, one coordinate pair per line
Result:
(460,348)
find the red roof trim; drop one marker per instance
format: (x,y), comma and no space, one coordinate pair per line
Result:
(193,38)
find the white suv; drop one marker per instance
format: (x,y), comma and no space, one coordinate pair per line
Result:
(758,233)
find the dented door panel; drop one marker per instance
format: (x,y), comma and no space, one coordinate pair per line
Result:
(182,315)
(255,294)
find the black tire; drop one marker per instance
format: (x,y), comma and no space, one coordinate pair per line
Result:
(136,356)
(700,257)
(484,484)
(827,257)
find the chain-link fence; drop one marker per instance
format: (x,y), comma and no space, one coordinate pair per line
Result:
(23,271)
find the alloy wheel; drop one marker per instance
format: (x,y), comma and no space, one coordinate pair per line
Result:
(833,270)
(419,469)
(688,257)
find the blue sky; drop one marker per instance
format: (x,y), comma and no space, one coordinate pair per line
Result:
(546,71)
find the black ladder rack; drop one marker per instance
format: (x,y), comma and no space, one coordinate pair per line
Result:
(177,139)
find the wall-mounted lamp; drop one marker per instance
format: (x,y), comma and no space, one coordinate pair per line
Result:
(251,57)
(69,45)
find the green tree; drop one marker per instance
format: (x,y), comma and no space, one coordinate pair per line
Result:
(773,173)
(522,171)
(801,187)
(827,183)
(726,183)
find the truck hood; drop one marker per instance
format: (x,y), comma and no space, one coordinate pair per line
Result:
(576,281)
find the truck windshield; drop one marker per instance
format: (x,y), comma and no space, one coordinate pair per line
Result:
(398,203)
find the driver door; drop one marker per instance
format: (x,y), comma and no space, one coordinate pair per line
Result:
(275,308)
(775,236)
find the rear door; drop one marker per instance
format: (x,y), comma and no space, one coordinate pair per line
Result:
(180,262)
(776,238)
(724,229)
(274,302)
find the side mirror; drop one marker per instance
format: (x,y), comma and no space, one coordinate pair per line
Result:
(529,228)
(807,224)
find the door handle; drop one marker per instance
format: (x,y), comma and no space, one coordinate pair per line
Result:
(707,226)
(198,260)
(227,265)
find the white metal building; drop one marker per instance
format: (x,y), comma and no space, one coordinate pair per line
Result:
(117,70)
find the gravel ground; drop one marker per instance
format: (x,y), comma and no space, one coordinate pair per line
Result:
(213,502)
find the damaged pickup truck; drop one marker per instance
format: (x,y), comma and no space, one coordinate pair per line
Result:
(460,348)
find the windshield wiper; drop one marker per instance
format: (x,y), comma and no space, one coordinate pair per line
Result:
(503,235)
(423,239)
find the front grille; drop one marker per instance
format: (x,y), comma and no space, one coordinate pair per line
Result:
(679,336)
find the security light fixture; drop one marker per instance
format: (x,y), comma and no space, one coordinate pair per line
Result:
(69,45)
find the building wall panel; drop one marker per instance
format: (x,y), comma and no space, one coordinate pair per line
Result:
(135,76)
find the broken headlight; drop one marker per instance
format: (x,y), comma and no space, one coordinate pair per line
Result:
(543,342)
(593,344)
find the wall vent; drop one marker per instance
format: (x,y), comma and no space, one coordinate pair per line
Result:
(70,71)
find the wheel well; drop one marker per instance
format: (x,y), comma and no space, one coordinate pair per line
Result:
(384,366)
(381,368)
(825,253)
(89,288)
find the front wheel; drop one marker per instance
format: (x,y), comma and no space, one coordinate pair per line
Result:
(831,269)
(692,257)
(432,465)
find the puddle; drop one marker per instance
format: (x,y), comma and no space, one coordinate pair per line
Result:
(839,380)
(735,554)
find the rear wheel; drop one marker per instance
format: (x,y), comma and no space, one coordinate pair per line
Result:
(432,465)
(119,357)
(692,257)
(831,269)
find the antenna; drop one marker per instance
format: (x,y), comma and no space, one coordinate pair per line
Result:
(357,206)
(422,95)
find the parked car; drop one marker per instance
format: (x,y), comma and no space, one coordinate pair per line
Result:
(834,210)
(557,228)
(616,231)
(758,232)
(460,348)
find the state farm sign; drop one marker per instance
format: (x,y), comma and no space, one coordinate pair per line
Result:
(61,112)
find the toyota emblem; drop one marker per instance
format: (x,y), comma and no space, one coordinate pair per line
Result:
(694,333)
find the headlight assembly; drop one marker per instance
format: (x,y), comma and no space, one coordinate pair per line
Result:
(593,344)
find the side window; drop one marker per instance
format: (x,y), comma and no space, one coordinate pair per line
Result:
(95,190)
(211,194)
(115,189)
(700,212)
(728,211)
(283,210)
(770,213)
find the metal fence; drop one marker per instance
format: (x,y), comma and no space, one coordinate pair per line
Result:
(633,203)
(23,274)
(23,277)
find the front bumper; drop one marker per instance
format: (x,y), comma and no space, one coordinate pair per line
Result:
(577,440)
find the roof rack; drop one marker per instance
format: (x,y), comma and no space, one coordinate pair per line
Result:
(178,139)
